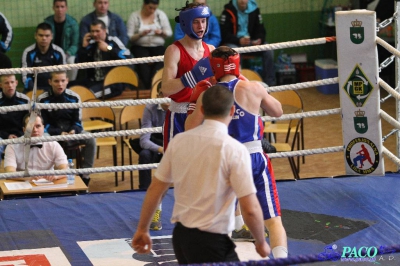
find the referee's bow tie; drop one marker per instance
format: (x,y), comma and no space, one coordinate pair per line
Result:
(37,145)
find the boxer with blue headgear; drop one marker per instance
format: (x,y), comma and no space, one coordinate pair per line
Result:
(188,14)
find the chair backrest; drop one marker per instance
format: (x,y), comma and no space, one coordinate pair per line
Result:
(29,93)
(157,76)
(289,98)
(83,92)
(104,112)
(121,74)
(250,74)
(130,113)
(153,93)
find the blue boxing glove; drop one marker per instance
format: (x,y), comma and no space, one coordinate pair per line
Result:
(201,70)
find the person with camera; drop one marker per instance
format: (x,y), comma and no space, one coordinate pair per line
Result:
(97,46)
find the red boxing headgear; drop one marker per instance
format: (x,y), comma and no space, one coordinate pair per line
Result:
(222,67)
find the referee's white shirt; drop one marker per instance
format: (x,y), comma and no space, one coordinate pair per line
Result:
(208,168)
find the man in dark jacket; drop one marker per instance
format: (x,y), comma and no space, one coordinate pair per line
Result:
(241,25)
(41,53)
(11,123)
(97,45)
(66,121)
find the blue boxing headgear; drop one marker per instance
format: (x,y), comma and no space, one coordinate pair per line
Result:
(187,16)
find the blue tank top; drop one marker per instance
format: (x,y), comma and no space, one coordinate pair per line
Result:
(245,126)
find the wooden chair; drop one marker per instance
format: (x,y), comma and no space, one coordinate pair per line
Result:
(250,74)
(106,114)
(30,93)
(157,76)
(122,74)
(292,102)
(292,141)
(83,92)
(129,114)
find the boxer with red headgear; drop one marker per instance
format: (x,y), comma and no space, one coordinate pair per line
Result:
(185,64)
(247,127)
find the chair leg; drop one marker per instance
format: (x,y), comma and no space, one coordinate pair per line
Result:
(122,157)
(294,169)
(302,139)
(98,152)
(115,164)
(131,173)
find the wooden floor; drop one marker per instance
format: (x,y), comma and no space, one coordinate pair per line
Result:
(325,131)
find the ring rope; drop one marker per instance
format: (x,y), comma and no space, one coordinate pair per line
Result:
(390,155)
(389,119)
(389,89)
(302,115)
(152,59)
(121,133)
(80,171)
(131,132)
(305,152)
(388,47)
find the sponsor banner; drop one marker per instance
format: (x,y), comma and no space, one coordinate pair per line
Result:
(359,91)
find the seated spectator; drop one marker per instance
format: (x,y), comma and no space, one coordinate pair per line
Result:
(147,30)
(150,147)
(97,45)
(213,35)
(66,33)
(6,34)
(66,121)
(41,53)
(11,122)
(42,156)
(241,25)
(114,23)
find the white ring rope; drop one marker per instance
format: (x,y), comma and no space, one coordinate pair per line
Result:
(131,132)
(391,156)
(152,59)
(121,133)
(302,115)
(389,89)
(389,119)
(388,47)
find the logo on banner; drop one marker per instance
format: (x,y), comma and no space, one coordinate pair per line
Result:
(360,122)
(358,87)
(362,156)
(356,32)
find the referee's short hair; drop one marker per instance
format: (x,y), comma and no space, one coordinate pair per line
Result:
(217,101)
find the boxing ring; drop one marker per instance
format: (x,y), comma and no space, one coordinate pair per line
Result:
(323,217)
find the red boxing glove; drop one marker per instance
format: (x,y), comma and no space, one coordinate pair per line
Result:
(201,86)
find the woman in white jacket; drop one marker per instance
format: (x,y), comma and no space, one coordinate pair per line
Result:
(147,30)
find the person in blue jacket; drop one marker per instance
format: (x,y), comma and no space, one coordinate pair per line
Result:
(213,36)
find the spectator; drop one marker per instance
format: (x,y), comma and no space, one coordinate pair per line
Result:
(41,53)
(66,121)
(147,30)
(213,35)
(114,23)
(241,25)
(6,34)
(66,33)
(42,156)
(11,122)
(97,45)
(150,146)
